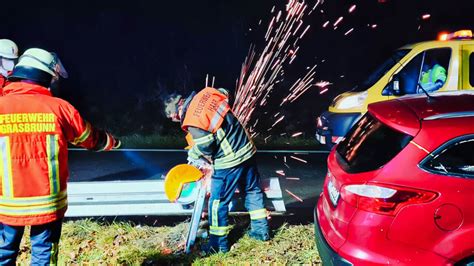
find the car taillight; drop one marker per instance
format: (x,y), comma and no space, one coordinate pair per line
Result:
(384,199)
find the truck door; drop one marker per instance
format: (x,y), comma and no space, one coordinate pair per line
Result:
(467,79)
(418,71)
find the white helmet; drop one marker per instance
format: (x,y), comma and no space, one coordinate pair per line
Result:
(8,49)
(38,65)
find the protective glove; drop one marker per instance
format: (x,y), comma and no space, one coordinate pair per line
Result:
(200,163)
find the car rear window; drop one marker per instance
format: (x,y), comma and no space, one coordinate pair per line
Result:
(369,145)
(455,158)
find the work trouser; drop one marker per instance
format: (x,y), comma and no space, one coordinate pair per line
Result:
(44,243)
(223,185)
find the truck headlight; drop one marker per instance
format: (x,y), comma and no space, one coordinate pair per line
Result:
(352,101)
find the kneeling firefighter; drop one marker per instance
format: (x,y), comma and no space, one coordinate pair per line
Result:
(219,139)
(35,129)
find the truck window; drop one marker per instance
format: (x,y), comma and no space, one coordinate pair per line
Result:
(381,70)
(455,159)
(428,70)
(369,145)
(471,69)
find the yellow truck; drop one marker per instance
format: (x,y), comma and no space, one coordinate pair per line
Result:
(446,64)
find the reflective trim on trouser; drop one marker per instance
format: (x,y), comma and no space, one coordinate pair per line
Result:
(219,230)
(258,214)
(223,185)
(44,243)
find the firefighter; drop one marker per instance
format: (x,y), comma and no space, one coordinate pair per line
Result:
(8,55)
(221,141)
(432,78)
(35,129)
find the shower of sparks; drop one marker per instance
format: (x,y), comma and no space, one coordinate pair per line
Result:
(322,84)
(267,138)
(280,172)
(318,2)
(278,121)
(297,134)
(326,24)
(293,195)
(337,21)
(292,178)
(373,26)
(262,70)
(426,16)
(298,159)
(300,87)
(352,8)
(349,31)
(323,91)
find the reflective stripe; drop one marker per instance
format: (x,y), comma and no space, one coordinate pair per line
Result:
(258,214)
(195,153)
(220,134)
(219,230)
(236,158)
(33,210)
(6,167)
(53,260)
(53,163)
(31,201)
(218,116)
(226,148)
(224,143)
(215,209)
(84,135)
(204,140)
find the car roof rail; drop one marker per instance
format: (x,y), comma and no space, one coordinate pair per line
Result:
(450,115)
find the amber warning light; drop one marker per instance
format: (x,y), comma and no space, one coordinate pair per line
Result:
(458,35)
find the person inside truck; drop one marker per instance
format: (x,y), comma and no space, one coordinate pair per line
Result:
(432,78)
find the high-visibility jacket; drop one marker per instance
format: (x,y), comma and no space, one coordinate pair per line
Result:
(433,79)
(35,129)
(217,133)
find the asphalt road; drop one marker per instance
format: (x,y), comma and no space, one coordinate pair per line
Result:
(300,173)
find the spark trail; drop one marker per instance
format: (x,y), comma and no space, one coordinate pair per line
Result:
(260,72)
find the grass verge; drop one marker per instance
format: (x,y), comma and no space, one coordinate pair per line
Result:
(87,242)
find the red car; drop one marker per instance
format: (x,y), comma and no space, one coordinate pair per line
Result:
(400,186)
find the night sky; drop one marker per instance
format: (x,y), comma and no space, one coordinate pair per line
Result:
(124,56)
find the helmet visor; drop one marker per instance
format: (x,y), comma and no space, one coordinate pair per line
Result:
(59,67)
(7,64)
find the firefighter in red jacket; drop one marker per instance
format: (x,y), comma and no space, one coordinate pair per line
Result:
(35,129)
(8,55)
(219,139)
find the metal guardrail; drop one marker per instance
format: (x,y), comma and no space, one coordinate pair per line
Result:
(144,197)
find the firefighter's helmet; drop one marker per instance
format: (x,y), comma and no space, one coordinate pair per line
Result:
(38,65)
(224,91)
(8,49)
(182,183)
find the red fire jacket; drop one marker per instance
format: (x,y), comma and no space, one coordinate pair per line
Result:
(35,129)
(3,82)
